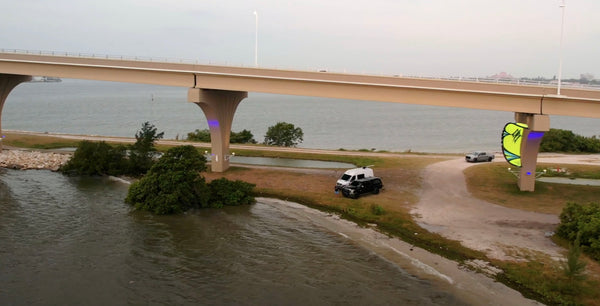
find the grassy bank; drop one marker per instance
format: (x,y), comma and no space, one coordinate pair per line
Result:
(495,184)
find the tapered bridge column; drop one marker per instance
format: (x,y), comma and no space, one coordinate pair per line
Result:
(7,83)
(219,108)
(530,146)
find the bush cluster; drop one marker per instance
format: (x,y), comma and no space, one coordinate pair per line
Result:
(175,184)
(557,140)
(282,134)
(224,192)
(244,136)
(100,158)
(97,158)
(582,222)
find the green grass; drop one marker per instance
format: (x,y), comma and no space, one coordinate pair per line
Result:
(495,184)
(543,279)
(37,142)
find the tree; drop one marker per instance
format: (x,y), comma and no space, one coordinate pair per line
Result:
(574,267)
(283,134)
(142,152)
(173,184)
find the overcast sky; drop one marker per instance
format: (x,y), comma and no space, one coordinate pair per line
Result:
(407,37)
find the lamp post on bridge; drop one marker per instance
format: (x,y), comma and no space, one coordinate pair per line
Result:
(256,40)
(562,26)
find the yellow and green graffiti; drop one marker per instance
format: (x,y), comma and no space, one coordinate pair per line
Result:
(512,136)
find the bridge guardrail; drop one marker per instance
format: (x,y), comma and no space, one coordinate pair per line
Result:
(196,62)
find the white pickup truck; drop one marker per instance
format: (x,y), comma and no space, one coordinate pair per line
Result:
(478,156)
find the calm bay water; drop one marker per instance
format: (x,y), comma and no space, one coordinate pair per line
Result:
(72,241)
(119,109)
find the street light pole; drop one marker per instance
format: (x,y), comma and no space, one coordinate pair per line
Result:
(256,40)
(560,60)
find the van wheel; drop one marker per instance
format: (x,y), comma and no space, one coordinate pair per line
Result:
(376,191)
(490,159)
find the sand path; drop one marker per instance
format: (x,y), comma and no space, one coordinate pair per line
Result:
(447,208)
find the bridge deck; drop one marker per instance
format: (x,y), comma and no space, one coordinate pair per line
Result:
(452,93)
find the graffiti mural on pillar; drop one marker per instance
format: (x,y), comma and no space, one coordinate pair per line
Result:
(512,136)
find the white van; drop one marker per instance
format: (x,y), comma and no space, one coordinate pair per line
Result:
(353,174)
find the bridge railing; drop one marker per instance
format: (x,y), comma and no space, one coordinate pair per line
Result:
(514,81)
(99,56)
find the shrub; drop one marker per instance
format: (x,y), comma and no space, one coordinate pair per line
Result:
(173,184)
(377,210)
(557,140)
(96,158)
(199,135)
(224,192)
(583,222)
(244,136)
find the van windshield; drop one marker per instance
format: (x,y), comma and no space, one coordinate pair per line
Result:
(345,177)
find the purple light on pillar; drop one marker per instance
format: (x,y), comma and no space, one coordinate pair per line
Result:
(213,123)
(535,135)
(528,173)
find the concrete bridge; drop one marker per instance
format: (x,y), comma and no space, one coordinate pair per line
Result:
(219,89)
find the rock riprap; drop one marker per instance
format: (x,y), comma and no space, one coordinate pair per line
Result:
(20,159)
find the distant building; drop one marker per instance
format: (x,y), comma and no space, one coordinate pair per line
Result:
(45,79)
(503,76)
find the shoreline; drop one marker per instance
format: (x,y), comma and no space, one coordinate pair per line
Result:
(469,286)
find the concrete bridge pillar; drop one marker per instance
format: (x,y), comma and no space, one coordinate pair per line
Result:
(219,108)
(530,146)
(7,83)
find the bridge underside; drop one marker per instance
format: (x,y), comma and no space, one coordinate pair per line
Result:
(532,138)
(7,83)
(219,108)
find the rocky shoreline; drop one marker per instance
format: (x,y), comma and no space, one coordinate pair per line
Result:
(25,160)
